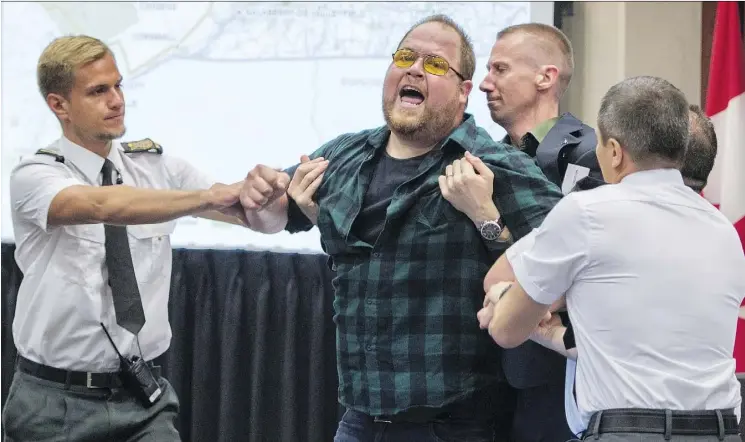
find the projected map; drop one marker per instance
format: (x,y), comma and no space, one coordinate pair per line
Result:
(230,85)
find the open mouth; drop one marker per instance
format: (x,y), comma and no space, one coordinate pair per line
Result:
(411,96)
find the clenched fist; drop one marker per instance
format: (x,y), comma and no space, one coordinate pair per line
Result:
(262,186)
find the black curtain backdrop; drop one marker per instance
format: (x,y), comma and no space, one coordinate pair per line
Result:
(253,351)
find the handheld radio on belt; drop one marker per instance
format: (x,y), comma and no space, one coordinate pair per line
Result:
(136,375)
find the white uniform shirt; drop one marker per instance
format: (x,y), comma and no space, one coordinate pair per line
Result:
(654,277)
(64,295)
(572,414)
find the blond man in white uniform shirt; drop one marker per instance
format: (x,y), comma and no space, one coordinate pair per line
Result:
(70,202)
(654,323)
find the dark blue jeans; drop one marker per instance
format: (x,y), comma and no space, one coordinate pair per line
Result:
(359,427)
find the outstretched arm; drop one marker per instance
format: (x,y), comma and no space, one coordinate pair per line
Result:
(125,205)
(48,195)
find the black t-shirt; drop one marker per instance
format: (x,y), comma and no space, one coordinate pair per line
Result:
(388,175)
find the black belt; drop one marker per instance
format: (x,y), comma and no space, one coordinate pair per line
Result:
(667,422)
(79,378)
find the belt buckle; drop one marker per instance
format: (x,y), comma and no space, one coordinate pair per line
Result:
(89,381)
(382,420)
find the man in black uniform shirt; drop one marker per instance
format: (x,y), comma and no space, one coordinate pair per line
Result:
(530,67)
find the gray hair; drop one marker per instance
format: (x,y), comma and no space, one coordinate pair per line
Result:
(648,116)
(701,151)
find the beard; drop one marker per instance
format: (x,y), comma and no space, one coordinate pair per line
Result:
(110,136)
(425,124)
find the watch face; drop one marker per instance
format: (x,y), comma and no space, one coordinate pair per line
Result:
(490,230)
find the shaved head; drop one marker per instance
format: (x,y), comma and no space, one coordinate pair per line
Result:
(544,45)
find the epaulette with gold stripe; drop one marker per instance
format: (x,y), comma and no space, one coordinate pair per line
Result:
(57,157)
(146,145)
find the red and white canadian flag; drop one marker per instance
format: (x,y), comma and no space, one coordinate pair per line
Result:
(725,105)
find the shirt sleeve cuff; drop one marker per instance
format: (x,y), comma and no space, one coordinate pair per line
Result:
(515,256)
(296,219)
(42,213)
(497,248)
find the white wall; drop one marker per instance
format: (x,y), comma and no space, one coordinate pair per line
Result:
(617,40)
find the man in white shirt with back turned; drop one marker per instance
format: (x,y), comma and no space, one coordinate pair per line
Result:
(92,219)
(654,322)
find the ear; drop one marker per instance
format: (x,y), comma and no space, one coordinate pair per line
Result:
(465,90)
(617,153)
(59,105)
(546,77)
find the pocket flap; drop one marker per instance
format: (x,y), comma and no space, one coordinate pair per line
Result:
(90,232)
(146,231)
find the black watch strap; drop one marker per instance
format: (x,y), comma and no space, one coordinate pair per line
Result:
(569,342)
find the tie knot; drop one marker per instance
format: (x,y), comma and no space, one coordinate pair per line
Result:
(108,166)
(106,170)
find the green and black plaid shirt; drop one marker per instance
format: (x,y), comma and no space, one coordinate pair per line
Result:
(406,306)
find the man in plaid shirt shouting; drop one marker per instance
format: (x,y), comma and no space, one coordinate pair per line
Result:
(410,265)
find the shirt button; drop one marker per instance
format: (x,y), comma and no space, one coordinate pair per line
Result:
(369,347)
(376,255)
(370,302)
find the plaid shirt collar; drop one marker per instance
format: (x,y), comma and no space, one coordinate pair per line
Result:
(460,136)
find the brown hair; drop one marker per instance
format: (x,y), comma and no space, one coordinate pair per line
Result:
(467,56)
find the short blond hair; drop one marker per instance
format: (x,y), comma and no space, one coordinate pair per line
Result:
(553,48)
(55,72)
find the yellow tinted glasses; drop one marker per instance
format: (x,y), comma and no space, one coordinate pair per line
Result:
(434,64)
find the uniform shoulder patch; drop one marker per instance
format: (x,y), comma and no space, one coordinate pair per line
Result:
(146,145)
(57,157)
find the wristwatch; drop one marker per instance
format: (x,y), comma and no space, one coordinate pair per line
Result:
(491,230)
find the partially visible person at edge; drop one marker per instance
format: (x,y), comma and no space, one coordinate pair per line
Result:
(701,152)
(412,362)
(529,69)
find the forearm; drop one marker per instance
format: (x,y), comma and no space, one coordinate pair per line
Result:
(124,205)
(225,216)
(129,205)
(500,271)
(515,316)
(556,343)
(272,219)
